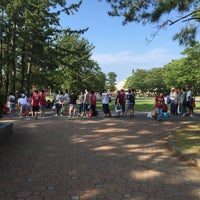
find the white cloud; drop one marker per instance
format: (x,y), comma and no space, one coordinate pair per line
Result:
(154,58)
(123,63)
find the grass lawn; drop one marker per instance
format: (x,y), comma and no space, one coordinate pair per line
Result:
(141,105)
(188,140)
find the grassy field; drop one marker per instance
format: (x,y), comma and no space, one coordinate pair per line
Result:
(142,105)
(188,140)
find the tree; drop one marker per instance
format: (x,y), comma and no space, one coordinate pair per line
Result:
(77,70)
(161,12)
(137,80)
(27,47)
(186,71)
(155,81)
(111,80)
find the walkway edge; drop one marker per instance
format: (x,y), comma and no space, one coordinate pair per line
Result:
(6,128)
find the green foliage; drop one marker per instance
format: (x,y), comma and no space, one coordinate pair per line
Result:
(185,71)
(137,80)
(163,13)
(111,80)
(77,70)
(177,73)
(37,52)
(147,80)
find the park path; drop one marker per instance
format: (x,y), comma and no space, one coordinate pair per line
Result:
(94,159)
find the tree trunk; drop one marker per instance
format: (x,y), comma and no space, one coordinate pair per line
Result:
(28,86)
(23,67)
(13,77)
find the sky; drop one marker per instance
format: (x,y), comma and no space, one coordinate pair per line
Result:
(122,49)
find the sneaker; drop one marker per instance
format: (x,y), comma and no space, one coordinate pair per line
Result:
(61,115)
(56,115)
(191,115)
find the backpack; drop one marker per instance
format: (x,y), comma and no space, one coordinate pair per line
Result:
(168,100)
(12,100)
(130,97)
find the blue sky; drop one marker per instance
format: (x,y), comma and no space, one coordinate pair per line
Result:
(119,48)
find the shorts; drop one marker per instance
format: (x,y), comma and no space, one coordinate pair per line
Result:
(129,107)
(106,109)
(72,107)
(86,107)
(12,106)
(42,108)
(35,108)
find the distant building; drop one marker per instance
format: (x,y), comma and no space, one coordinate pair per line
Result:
(120,85)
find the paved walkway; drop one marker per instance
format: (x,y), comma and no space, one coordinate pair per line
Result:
(94,159)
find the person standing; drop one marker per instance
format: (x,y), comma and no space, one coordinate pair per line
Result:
(42,104)
(86,103)
(129,103)
(191,105)
(183,102)
(81,104)
(159,102)
(11,103)
(58,102)
(105,103)
(22,104)
(176,101)
(35,104)
(72,104)
(188,95)
(172,104)
(133,93)
(66,102)
(93,102)
(118,103)
(123,96)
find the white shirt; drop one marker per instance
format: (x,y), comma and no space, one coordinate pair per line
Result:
(66,97)
(105,98)
(22,101)
(188,94)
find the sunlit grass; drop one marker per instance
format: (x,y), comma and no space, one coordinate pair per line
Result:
(188,140)
(141,105)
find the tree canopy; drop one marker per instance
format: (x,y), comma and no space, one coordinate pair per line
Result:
(35,52)
(177,74)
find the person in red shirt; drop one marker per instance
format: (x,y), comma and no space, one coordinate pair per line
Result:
(35,104)
(93,102)
(42,103)
(123,103)
(159,102)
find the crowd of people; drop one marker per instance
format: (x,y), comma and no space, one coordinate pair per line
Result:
(71,104)
(180,103)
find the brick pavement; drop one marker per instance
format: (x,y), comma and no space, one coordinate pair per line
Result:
(94,159)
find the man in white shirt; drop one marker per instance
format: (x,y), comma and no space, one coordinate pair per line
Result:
(105,103)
